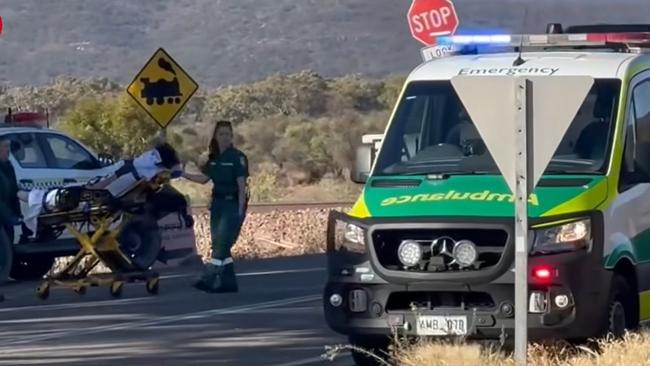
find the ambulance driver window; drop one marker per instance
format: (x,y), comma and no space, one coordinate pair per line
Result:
(433,133)
(642,111)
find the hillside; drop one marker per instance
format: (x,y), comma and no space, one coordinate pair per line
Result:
(235,41)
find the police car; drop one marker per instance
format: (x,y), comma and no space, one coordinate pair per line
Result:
(47,158)
(428,248)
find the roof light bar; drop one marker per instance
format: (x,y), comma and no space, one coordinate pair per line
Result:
(546,40)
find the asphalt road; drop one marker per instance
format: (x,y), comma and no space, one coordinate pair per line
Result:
(276,319)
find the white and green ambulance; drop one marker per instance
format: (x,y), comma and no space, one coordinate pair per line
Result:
(428,248)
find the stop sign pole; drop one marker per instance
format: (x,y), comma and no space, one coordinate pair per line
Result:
(429,19)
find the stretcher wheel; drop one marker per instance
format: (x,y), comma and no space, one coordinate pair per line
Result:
(116,288)
(43,291)
(80,290)
(153,285)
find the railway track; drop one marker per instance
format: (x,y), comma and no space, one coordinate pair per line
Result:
(286,206)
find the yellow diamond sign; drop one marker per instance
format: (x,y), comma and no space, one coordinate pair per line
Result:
(162,88)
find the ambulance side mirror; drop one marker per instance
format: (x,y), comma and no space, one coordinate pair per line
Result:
(362,164)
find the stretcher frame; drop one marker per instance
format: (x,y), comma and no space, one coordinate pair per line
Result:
(102,246)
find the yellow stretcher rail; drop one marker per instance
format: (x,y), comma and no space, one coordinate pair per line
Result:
(102,246)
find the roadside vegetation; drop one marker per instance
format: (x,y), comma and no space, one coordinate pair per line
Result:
(299,130)
(632,349)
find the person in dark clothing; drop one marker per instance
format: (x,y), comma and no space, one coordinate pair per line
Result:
(227,168)
(10,213)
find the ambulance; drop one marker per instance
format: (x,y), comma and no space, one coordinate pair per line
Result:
(427,250)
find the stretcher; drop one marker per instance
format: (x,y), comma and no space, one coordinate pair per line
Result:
(121,230)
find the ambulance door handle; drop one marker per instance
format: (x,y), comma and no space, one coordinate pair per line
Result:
(26,181)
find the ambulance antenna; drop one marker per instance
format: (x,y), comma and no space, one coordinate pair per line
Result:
(519,61)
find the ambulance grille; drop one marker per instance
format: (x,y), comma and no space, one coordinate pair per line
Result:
(490,244)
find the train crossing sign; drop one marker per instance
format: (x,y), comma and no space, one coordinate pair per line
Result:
(429,19)
(162,88)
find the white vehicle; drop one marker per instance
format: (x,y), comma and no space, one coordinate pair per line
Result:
(433,194)
(47,158)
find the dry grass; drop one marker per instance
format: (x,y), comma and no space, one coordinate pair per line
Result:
(632,350)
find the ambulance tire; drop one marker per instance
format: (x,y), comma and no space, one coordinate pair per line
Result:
(141,241)
(29,269)
(620,308)
(375,345)
(6,257)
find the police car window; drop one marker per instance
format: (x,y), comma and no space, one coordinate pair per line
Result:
(432,132)
(67,154)
(27,152)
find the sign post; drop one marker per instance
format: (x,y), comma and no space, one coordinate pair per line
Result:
(523,117)
(429,19)
(522,120)
(162,88)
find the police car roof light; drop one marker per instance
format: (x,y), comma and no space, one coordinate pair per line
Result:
(27,119)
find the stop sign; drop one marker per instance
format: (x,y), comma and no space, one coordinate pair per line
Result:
(431,18)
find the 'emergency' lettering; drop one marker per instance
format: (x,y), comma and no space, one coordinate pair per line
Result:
(510,71)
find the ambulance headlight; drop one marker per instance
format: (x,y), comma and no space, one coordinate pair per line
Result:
(409,253)
(349,237)
(570,236)
(465,253)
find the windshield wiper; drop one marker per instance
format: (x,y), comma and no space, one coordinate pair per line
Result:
(445,173)
(567,171)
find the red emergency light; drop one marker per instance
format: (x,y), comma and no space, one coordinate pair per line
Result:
(544,273)
(27,118)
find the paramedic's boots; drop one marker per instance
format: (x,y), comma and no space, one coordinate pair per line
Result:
(228,281)
(218,279)
(209,273)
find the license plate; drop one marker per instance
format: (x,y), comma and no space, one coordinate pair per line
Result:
(434,325)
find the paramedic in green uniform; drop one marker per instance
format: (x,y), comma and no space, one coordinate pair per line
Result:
(227,168)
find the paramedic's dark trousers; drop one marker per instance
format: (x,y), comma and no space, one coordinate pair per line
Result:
(225,224)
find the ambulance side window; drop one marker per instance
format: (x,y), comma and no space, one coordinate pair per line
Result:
(637,130)
(641,96)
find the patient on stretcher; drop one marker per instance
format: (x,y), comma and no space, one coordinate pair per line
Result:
(119,190)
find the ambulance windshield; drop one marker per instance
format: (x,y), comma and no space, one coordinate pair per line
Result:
(432,133)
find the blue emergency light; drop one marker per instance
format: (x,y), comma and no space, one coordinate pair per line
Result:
(477,39)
